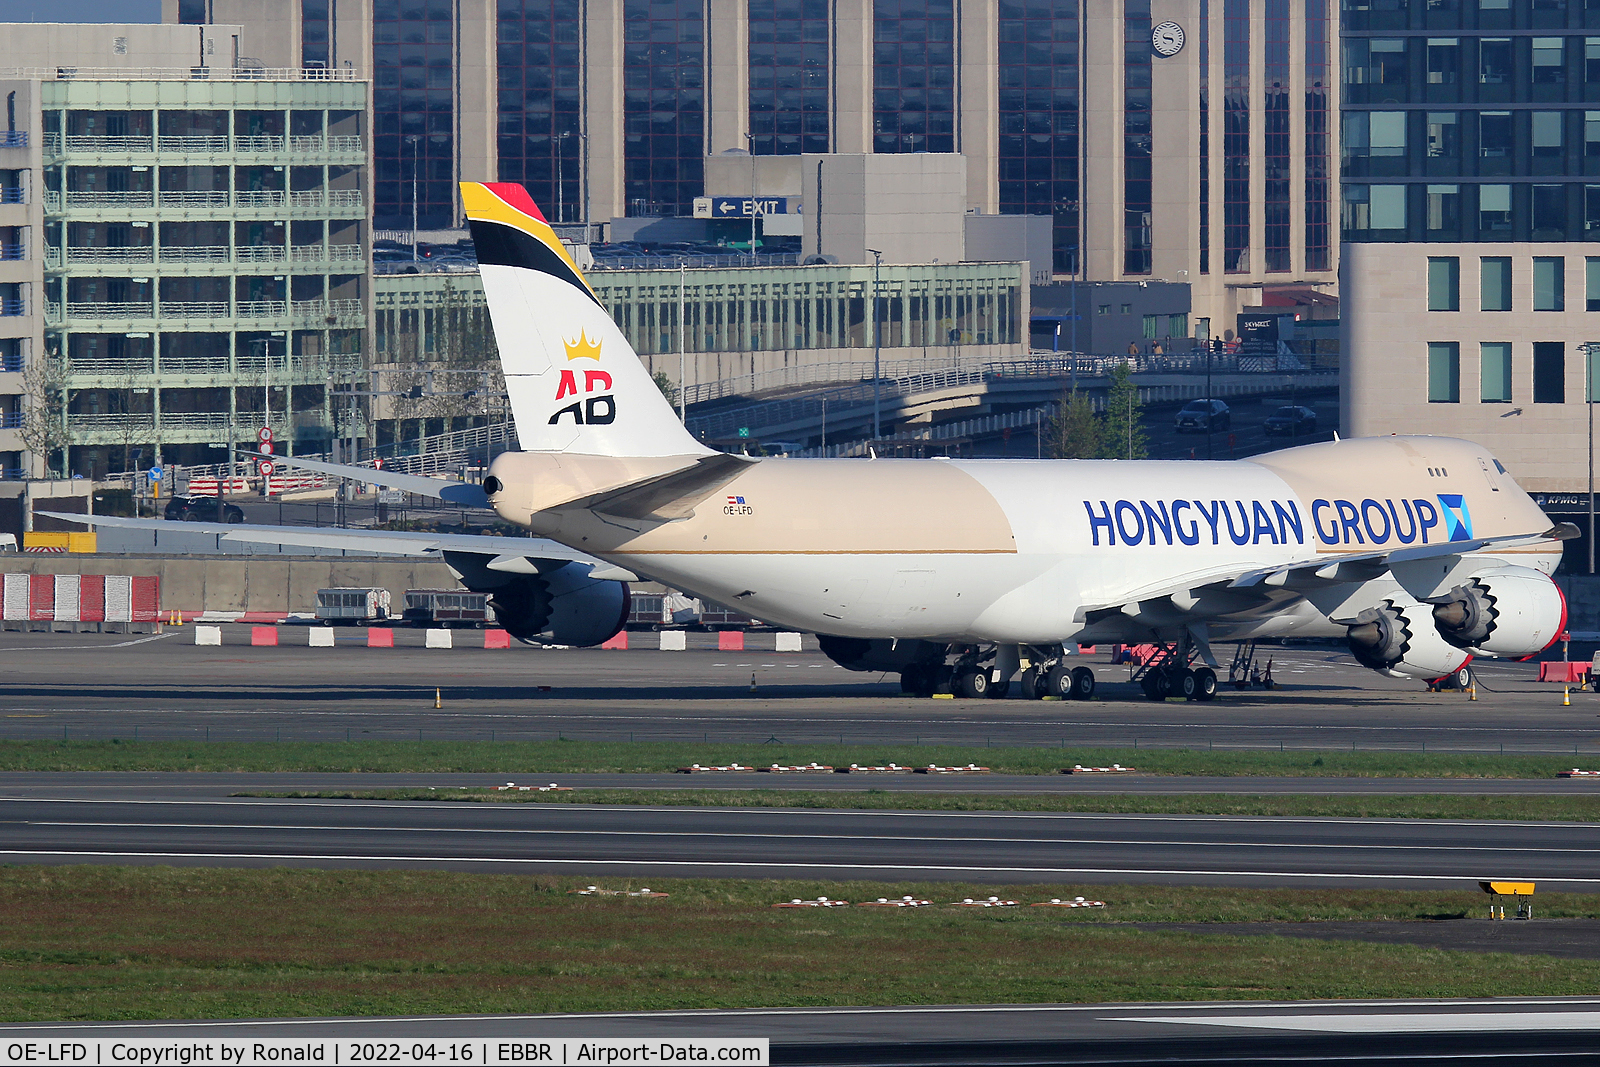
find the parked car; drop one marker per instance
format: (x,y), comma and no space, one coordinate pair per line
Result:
(1203,416)
(1291,420)
(200,509)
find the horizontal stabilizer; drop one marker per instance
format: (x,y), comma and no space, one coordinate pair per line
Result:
(673,495)
(461,494)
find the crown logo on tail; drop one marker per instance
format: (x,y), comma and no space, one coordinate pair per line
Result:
(583,348)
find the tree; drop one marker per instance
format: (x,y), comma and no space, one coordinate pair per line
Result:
(1122,435)
(1075,432)
(44,427)
(463,341)
(664,384)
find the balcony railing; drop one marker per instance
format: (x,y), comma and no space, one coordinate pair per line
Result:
(194,309)
(260,254)
(13,138)
(12,194)
(169,144)
(126,254)
(13,420)
(195,254)
(354,254)
(190,198)
(308,312)
(13,305)
(109,309)
(11,362)
(16,250)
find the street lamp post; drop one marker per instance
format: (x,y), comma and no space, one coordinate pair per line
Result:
(683,401)
(750,147)
(415,150)
(1588,403)
(877,348)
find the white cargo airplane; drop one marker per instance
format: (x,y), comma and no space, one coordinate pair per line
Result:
(1421,551)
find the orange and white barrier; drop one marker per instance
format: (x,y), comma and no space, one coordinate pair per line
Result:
(596,891)
(1075,902)
(893,768)
(820,902)
(514,787)
(1575,773)
(1115,768)
(208,486)
(971,768)
(802,768)
(992,902)
(79,598)
(695,768)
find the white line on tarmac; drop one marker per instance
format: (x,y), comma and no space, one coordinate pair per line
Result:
(757,836)
(1411,1023)
(598,861)
(52,648)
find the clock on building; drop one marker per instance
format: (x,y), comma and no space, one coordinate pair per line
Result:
(1167,39)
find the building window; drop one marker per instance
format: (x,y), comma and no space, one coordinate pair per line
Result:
(913,76)
(1591,284)
(1136,175)
(1444,66)
(1549,289)
(1275,140)
(1236,137)
(1549,212)
(1591,212)
(1494,68)
(1038,115)
(1548,141)
(1316,120)
(1549,372)
(1591,59)
(1549,66)
(1494,208)
(1444,212)
(1178,325)
(1443,136)
(315,50)
(1152,327)
(1375,143)
(1444,372)
(1494,283)
(1375,209)
(1375,70)
(1444,283)
(1102,309)
(663,104)
(1203,58)
(540,138)
(1495,142)
(1127,309)
(1495,372)
(413,108)
(1592,353)
(788,77)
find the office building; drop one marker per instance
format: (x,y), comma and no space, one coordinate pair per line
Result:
(1471,158)
(1165,140)
(197,246)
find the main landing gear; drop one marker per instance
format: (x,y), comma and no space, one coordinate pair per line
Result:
(1171,674)
(979,673)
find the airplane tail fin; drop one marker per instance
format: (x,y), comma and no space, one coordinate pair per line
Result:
(576,384)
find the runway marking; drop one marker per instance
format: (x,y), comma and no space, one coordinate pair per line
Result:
(545,832)
(750,865)
(1399,1023)
(54,648)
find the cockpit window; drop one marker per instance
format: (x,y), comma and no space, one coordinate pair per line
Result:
(1499,468)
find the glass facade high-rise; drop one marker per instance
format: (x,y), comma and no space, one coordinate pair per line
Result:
(413,114)
(789,42)
(1039,100)
(913,76)
(538,67)
(1136,142)
(1471,121)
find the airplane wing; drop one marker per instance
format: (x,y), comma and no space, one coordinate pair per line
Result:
(509,553)
(462,494)
(1335,570)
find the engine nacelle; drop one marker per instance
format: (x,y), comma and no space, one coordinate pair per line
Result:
(878,654)
(1399,639)
(1515,611)
(562,606)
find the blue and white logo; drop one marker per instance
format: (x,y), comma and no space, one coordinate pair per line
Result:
(1457,519)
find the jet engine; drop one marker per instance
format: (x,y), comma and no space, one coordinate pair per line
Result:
(861,654)
(1515,611)
(561,607)
(1398,638)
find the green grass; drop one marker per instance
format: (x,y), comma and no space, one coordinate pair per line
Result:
(1433,806)
(556,757)
(155,942)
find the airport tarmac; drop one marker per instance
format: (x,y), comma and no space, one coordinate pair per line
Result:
(1502,1030)
(643,841)
(164,686)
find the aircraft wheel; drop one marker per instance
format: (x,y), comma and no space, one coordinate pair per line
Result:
(1035,683)
(1462,678)
(1205,684)
(1157,685)
(998,690)
(1059,683)
(911,679)
(972,684)
(1082,683)
(1186,685)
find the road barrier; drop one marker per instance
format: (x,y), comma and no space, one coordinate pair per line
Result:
(1075,902)
(673,641)
(971,768)
(820,902)
(618,641)
(264,636)
(893,768)
(730,641)
(1115,768)
(803,768)
(903,902)
(79,598)
(732,768)
(377,638)
(437,638)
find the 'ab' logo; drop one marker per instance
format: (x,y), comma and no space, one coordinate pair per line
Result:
(594,410)
(1457,519)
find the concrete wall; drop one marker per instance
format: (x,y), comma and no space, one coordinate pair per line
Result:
(910,207)
(72,44)
(1007,238)
(201,583)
